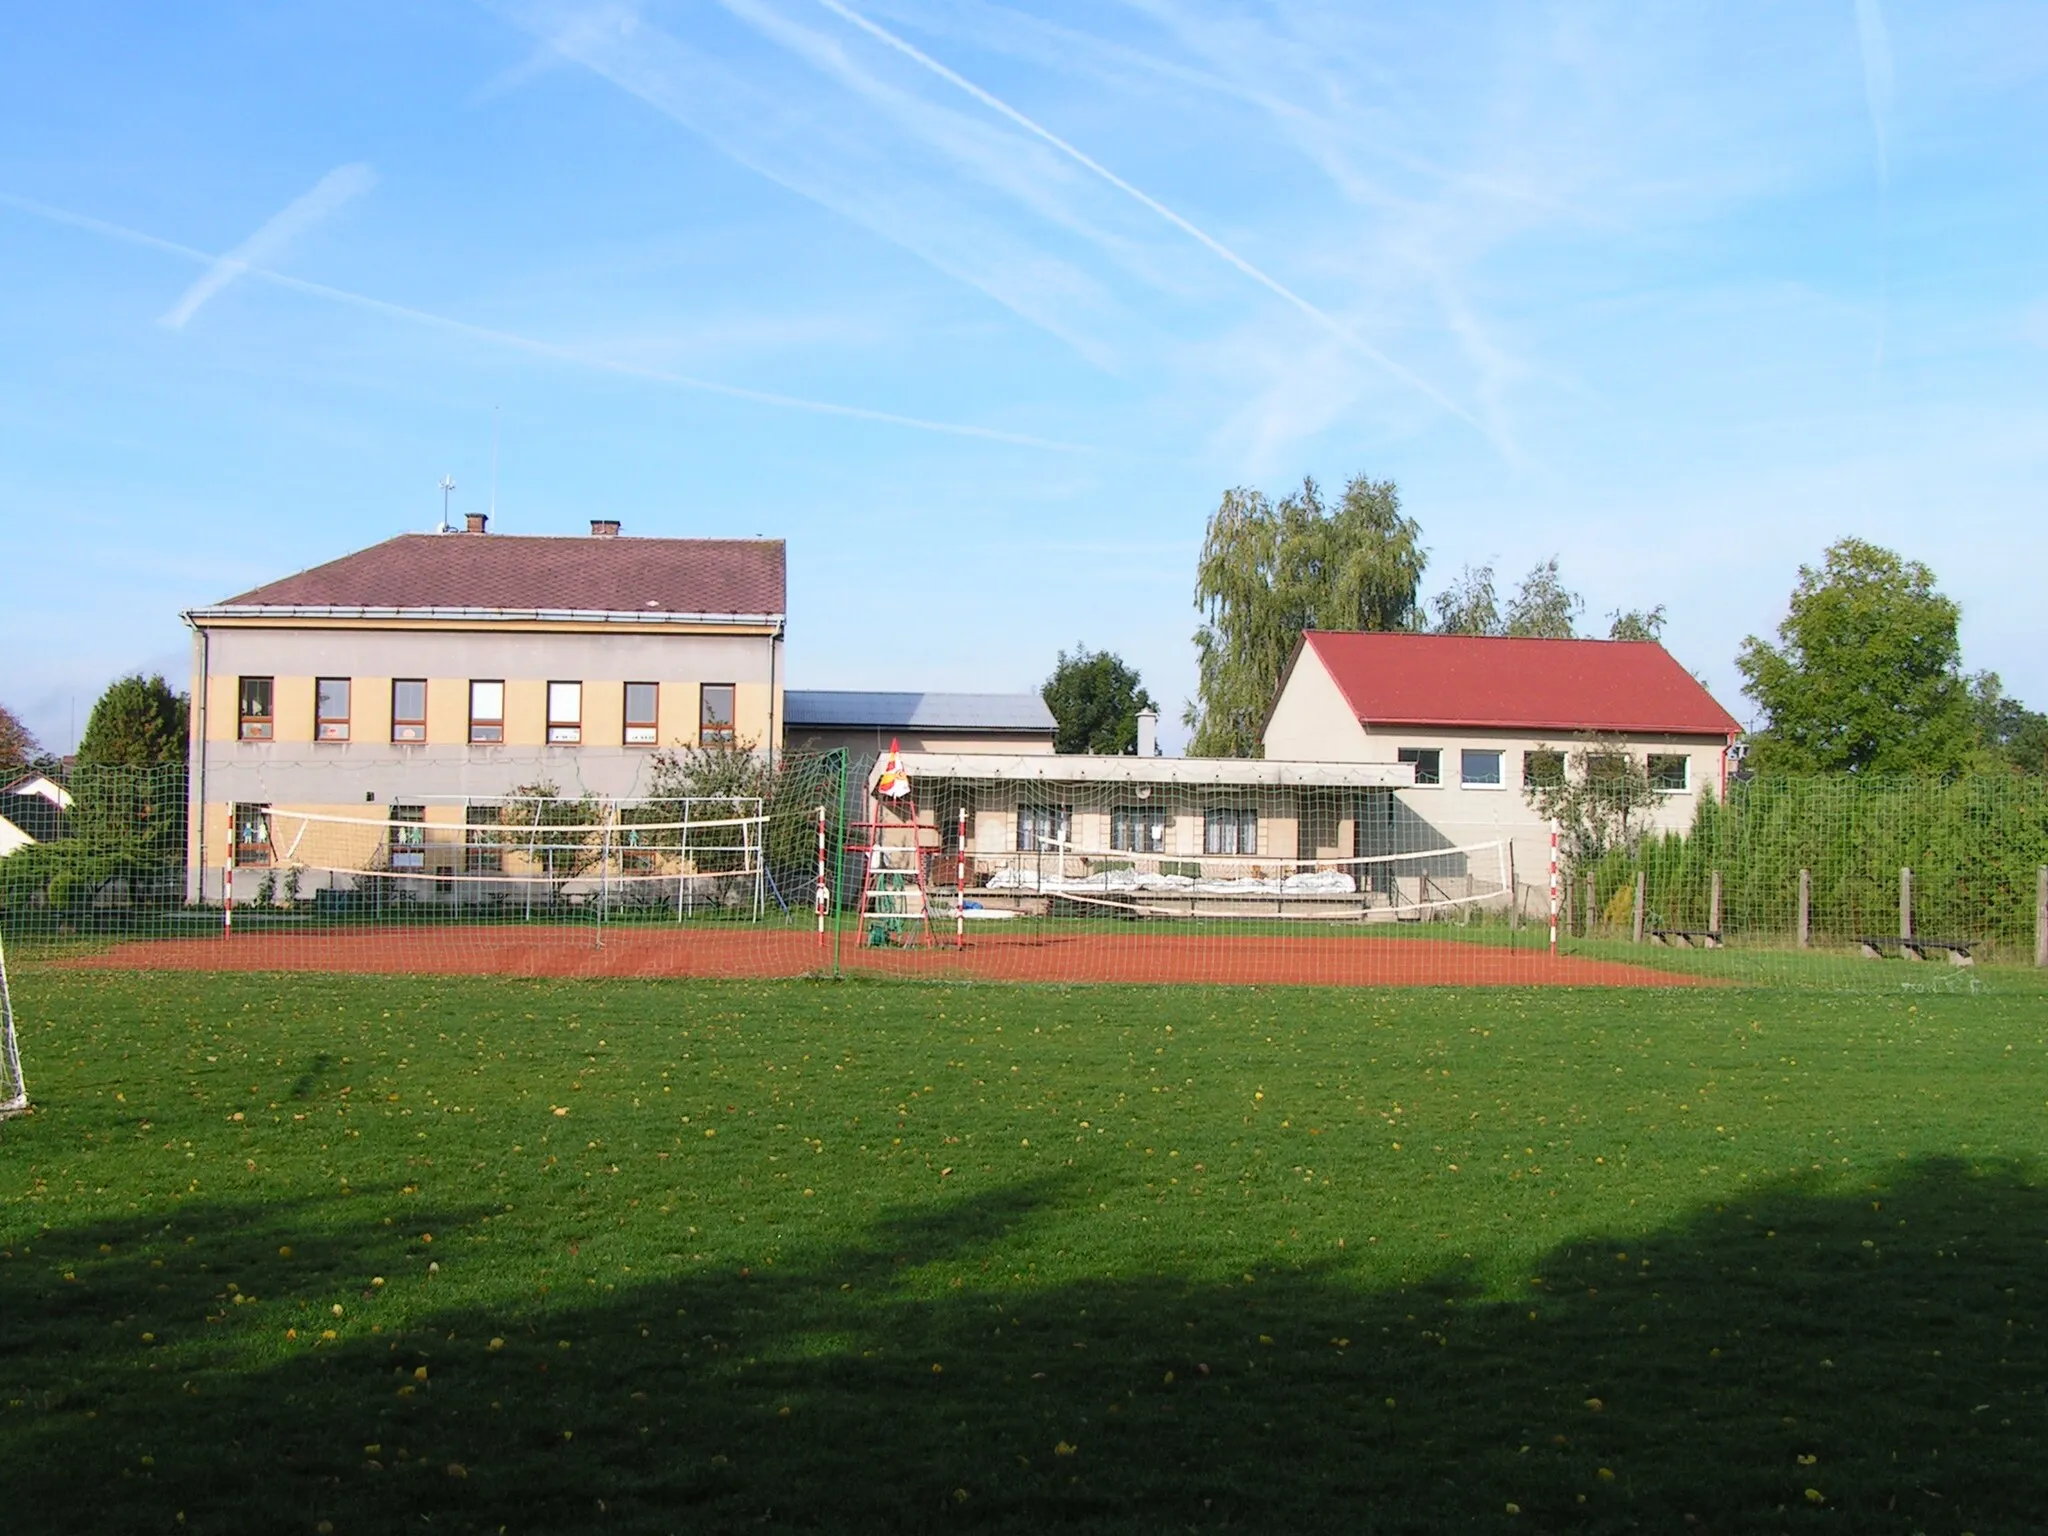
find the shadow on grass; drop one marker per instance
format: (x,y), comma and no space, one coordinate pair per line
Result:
(1894,1335)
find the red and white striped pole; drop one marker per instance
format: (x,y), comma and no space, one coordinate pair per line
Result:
(1553,890)
(822,900)
(960,885)
(227,894)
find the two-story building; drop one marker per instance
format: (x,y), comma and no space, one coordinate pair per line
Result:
(433,670)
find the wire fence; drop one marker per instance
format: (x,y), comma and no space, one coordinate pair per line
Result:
(1101,870)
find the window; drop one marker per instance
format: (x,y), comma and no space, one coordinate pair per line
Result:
(1479,768)
(330,711)
(1040,827)
(1606,767)
(1230,831)
(257,722)
(1670,772)
(482,854)
(409,709)
(714,721)
(408,837)
(252,833)
(486,712)
(641,718)
(565,713)
(1137,829)
(1428,761)
(1542,769)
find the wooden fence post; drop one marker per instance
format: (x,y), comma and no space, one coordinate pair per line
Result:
(1905,903)
(2041,916)
(1592,903)
(1636,925)
(1805,908)
(1714,907)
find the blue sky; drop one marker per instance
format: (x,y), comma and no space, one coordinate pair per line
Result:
(982,306)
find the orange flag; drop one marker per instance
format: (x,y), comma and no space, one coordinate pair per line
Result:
(894,783)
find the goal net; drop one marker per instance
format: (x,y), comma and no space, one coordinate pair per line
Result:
(13,1090)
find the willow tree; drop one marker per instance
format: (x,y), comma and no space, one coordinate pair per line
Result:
(1270,570)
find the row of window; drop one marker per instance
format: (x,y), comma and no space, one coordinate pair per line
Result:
(333,698)
(1483,767)
(1136,829)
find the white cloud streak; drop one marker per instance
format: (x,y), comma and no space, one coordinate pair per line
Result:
(1327,322)
(326,197)
(513,341)
(1875,41)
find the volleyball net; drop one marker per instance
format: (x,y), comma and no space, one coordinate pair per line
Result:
(1057,871)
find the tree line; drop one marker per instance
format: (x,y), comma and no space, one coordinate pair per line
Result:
(1863,676)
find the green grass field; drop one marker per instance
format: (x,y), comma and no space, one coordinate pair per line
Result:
(311,1254)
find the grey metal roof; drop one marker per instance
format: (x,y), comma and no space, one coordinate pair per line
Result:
(861,709)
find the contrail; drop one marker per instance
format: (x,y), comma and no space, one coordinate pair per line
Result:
(515,342)
(1273,285)
(1876,44)
(328,194)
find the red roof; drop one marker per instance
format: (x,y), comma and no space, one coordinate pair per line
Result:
(1566,686)
(712,577)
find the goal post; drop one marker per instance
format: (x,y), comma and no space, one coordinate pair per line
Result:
(13,1088)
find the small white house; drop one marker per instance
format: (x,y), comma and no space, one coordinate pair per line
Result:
(32,810)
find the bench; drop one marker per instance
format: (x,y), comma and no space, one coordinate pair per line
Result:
(1956,951)
(1686,938)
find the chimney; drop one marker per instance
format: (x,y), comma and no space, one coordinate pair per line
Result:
(604,527)
(1148,733)
(473,522)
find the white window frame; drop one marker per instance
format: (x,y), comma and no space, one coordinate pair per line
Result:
(1040,824)
(1685,761)
(1500,768)
(1242,822)
(1147,823)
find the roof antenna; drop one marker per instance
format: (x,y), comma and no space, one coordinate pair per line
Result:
(447,489)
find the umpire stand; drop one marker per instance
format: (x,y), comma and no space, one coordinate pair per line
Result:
(895,897)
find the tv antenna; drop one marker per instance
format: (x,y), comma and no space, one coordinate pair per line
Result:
(447,489)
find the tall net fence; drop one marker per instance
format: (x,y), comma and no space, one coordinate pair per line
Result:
(1067,872)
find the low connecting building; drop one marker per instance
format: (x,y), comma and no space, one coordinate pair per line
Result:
(433,671)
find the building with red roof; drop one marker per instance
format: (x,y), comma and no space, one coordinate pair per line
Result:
(1483,719)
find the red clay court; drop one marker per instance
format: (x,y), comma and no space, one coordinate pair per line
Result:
(759,954)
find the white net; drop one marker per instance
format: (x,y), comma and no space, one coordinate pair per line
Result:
(13,1090)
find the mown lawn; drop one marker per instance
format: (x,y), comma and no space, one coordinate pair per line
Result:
(307,1254)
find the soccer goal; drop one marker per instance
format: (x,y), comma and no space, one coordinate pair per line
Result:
(530,859)
(13,1090)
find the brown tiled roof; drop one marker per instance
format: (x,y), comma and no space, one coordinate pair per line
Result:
(520,574)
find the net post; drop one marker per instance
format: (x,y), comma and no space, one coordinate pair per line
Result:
(839,865)
(960,884)
(1514,895)
(1635,927)
(1553,890)
(821,898)
(1905,904)
(227,891)
(1714,905)
(1592,902)
(1805,909)
(2041,916)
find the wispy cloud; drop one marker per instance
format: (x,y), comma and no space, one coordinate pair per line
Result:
(1875,40)
(513,341)
(996,104)
(327,196)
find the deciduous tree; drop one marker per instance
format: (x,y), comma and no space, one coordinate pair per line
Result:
(1271,570)
(1866,676)
(1095,700)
